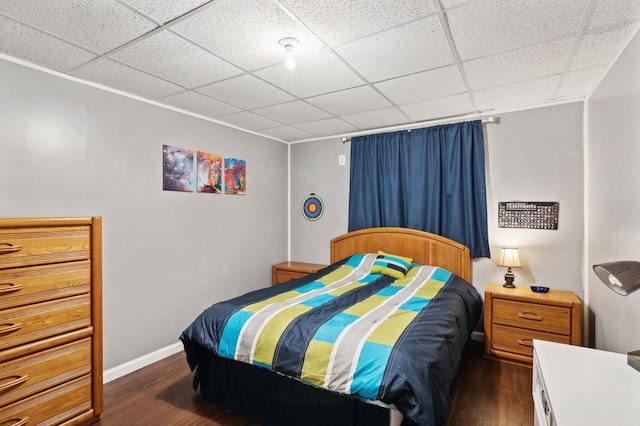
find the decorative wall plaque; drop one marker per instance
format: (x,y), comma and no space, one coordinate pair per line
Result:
(528,214)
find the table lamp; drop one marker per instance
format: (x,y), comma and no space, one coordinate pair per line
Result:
(509,258)
(623,277)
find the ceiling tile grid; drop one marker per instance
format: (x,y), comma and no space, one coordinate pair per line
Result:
(171,57)
(362,65)
(40,48)
(410,48)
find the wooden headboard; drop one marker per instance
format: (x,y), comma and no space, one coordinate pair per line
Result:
(422,247)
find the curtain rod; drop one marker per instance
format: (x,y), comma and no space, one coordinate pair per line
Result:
(492,119)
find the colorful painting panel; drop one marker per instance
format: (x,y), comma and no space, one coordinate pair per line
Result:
(209,173)
(235,176)
(177,169)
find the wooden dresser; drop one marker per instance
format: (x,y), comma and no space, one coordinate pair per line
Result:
(513,317)
(50,321)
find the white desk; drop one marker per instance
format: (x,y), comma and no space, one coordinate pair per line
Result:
(583,386)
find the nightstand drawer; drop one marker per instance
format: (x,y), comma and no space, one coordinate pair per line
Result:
(284,276)
(520,341)
(285,271)
(532,316)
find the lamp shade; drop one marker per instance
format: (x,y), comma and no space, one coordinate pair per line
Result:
(509,257)
(622,276)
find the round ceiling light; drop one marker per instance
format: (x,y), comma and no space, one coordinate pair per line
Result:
(288,43)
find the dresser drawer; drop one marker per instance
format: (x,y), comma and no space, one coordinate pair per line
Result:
(520,341)
(54,406)
(38,246)
(41,320)
(533,316)
(31,374)
(22,286)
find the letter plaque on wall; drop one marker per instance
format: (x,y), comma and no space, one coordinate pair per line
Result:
(528,214)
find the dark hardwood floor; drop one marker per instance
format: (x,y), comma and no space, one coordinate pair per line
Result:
(485,393)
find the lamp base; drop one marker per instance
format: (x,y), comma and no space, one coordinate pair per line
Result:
(508,280)
(633,359)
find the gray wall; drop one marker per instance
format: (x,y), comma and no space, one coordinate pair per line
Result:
(614,198)
(68,149)
(533,155)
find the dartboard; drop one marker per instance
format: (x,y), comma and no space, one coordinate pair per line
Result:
(312,207)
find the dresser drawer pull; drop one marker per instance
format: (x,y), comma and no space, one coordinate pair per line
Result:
(6,248)
(17,422)
(8,328)
(525,342)
(530,316)
(9,287)
(16,380)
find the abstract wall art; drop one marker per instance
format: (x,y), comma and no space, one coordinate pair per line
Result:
(177,169)
(235,176)
(209,173)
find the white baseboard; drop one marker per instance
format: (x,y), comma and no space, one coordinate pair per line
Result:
(477,336)
(138,363)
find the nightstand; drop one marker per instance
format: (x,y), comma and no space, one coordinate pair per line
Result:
(513,317)
(285,271)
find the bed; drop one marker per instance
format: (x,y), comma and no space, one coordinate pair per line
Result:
(375,338)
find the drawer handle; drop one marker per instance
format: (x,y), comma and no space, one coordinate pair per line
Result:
(8,328)
(9,287)
(9,248)
(17,380)
(18,422)
(525,342)
(530,316)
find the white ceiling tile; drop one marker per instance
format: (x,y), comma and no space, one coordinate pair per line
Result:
(607,12)
(529,63)
(292,112)
(448,4)
(339,21)
(171,57)
(34,46)
(439,108)
(575,83)
(246,91)
(329,126)
(485,27)
(164,11)
(246,32)
(249,120)
(521,94)
(423,86)
(600,47)
(96,25)
(377,119)
(112,74)
(413,47)
(286,133)
(199,104)
(316,73)
(349,101)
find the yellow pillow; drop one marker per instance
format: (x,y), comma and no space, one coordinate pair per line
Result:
(392,265)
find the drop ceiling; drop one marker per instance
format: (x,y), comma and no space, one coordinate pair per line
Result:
(362,65)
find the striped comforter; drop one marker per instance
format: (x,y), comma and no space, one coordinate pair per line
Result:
(352,332)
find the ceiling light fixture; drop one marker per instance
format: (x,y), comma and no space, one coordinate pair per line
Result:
(289,57)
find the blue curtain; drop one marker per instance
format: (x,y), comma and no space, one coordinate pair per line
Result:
(430,179)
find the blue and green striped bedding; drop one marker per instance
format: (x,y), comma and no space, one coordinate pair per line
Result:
(352,332)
